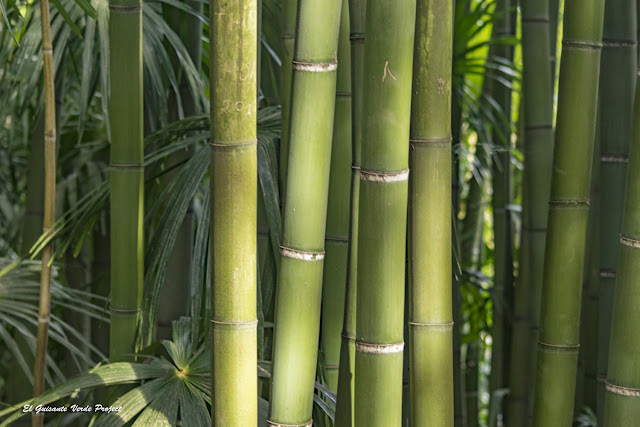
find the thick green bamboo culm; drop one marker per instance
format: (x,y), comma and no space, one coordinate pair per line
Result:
(538,147)
(471,371)
(337,230)
(617,79)
(127,175)
(558,338)
(430,307)
(233,241)
(622,401)
(299,284)
(388,64)
(44,306)
(346,374)
(289,10)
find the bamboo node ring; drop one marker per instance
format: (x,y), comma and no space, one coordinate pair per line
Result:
(579,44)
(125,310)
(362,347)
(301,255)
(273,423)
(607,273)
(430,141)
(434,325)
(315,67)
(623,391)
(560,347)
(385,177)
(233,144)
(125,8)
(247,324)
(627,241)
(614,158)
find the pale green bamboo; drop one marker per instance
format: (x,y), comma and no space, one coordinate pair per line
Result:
(382,212)
(617,79)
(622,404)
(299,284)
(44,306)
(233,241)
(430,306)
(127,175)
(558,340)
(345,415)
(337,230)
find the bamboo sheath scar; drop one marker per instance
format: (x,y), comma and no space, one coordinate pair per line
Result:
(299,283)
(233,241)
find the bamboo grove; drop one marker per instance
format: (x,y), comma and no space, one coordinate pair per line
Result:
(319,213)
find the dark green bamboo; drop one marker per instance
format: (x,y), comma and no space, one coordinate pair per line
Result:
(289,10)
(34,212)
(127,174)
(558,338)
(458,389)
(617,79)
(430,307)
(622,403)
(49,217)
(346,377)
(538,143)
(382,212)
(554,16)
(233,241)
(337,231)
(471,373)
(18,387)
(299,285)
(501,199)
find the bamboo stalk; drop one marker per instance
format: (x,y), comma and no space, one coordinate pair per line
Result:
(233,241)
(502,197)
(44,307)
(127,174)
(430,306)
(615,114)
(337,230)
(289,11)
(345,415)
(299,284)
(382,222)
(623,379)
(538,140)
(558,340)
